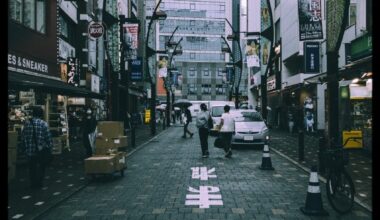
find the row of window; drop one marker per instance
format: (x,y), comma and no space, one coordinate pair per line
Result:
(206,89)
(30,13)
(192,73)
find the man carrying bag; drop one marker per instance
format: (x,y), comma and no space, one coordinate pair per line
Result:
(37,142)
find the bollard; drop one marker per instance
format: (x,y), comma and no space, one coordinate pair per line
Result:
(321,150)
(301,145)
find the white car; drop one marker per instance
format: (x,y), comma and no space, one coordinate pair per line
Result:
(250,128)
(216,110)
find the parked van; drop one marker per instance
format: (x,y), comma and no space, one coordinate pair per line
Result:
(217,109)
(196,107)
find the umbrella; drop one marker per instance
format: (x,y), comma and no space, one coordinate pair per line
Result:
(182,103)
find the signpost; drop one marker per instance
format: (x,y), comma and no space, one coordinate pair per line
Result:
(95,29)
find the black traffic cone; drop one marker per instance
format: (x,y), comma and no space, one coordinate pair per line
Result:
(266,163)
(314,204)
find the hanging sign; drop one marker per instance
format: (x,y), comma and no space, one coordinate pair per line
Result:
(311,57)
(95,29)
(72,71)
(310,19)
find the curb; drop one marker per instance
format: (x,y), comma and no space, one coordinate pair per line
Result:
(322,179)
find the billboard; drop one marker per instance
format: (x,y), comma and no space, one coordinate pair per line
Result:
(310,20)
(311,57)
(131,40)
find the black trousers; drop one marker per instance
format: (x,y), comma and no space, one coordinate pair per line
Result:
(185,130)
(226,137)
(203,136)
(87,145)
(36,171)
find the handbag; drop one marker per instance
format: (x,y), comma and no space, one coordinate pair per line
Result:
(210,123)
(218,143)
(45,155)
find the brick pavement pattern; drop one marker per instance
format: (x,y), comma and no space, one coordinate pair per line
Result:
(159,175)
(359,167)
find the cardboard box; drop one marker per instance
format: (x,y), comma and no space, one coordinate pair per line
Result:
(99,164)
(12,156)
(102,150)
(110,129)
(12,139)
(103,142)
(120,141)
(120,161)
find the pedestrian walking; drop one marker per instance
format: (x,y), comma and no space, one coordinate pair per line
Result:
(36,139)
(89,126)
(188,119)
(203,129)
(227,128)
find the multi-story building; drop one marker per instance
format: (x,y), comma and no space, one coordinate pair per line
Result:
(292,88)
(201,66)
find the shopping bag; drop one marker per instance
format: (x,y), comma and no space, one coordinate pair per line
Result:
(218,143)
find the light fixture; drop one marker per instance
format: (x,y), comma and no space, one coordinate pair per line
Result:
(354,81)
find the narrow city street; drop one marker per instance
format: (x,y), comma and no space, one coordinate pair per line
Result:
(161,182)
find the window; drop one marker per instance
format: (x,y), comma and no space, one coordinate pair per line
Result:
(192,6)
(30,13)
(220,90)
(192,23)
(206,89)
(192,89)
(222,7)
(352,15)
(206,72)
(192,56)
(191,73)
(220,73)
(67,29)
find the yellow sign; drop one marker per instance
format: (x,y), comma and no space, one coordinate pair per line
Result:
(353,139)
(147,116)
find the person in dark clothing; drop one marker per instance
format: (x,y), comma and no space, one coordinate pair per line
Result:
(35,136)
(89,126)
(188,120)
(203,129)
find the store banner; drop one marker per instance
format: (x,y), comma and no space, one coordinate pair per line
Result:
(252,53)
(163,66)
(311,56)
(131,40)
(72,71)
(310,20)
(136,69)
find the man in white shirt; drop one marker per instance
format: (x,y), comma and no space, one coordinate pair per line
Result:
(227,128)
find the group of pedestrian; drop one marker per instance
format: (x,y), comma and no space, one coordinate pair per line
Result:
(227,128)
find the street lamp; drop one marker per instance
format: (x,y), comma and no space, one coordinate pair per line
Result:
(235,36)
(169,43)
(157,15)
(227,49)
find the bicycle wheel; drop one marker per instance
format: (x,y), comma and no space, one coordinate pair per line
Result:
(340,191)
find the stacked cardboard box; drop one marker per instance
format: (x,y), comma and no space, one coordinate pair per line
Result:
(12,154)
(107,159)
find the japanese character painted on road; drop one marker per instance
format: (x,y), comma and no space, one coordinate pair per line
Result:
(203,198)
(202,173)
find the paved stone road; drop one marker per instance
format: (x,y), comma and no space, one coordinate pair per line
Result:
(159,175)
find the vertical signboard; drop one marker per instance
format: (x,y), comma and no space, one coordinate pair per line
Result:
(252,53)
(95,83)
(72,71)
(162,66)
(310,20)
(131,40)
(136,69)
(253,24)
(311,56)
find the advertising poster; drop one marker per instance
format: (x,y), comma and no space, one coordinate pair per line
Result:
(162,66)
(131,40)
(252,53)
(310,19)
(136,69)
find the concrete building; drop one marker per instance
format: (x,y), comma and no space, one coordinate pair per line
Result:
(202,64)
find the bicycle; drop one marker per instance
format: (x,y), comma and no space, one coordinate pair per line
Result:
(340,188)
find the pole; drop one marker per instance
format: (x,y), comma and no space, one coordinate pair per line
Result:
(124,75)
(301,145)
(333,97)
(152,82)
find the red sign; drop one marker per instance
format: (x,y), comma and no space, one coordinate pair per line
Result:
(95,29)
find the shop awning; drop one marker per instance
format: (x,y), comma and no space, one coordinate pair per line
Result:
(25,81)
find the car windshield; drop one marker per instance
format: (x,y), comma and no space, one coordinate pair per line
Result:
(217,111)
(249,117)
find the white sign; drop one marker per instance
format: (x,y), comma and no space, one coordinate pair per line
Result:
(204,197)
(25,63)
(65,49)
(254,19)
(202,173)
(70,9)
(95,83)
